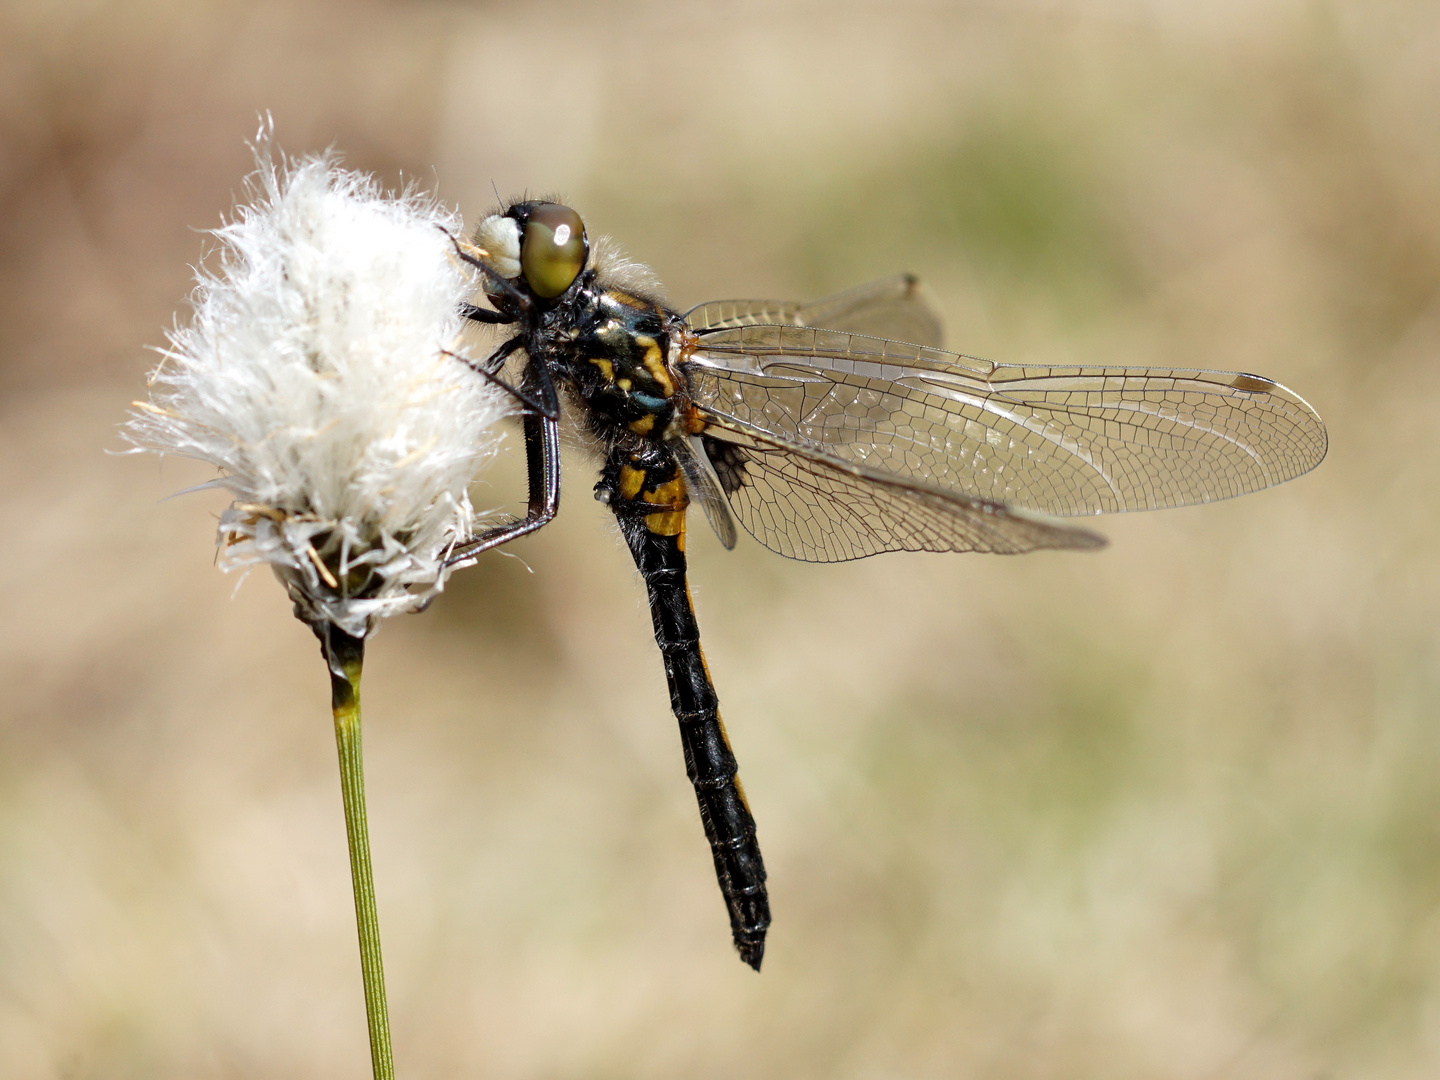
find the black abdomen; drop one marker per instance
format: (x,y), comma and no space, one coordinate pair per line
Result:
(647,492)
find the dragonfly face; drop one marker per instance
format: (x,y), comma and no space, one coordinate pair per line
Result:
(834,430)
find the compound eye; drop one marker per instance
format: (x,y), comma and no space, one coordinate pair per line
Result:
(553,250)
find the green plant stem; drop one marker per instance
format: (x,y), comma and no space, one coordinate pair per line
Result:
(346,656)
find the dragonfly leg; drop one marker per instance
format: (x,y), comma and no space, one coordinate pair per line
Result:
(485,315)
(489,369)
(542,464)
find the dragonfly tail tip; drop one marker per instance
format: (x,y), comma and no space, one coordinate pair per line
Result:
(751,951)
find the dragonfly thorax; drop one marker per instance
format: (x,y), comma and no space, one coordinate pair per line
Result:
(612,351)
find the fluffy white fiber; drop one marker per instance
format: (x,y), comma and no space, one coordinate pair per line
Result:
(313,374)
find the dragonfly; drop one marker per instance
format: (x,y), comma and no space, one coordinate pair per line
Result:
(830,431)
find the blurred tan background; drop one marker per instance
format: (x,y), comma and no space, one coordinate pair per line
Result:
(1171,810)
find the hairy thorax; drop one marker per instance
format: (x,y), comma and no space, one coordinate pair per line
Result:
(615,356)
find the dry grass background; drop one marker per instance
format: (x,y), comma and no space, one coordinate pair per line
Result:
(1168,811)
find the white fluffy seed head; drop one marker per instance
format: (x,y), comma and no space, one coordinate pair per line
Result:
(315,374)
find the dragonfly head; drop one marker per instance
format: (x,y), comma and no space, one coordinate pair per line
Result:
(538,246)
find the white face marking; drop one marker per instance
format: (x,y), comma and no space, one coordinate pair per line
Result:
(562,235)
(500,236)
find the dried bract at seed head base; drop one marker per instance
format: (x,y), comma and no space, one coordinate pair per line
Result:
(315,374)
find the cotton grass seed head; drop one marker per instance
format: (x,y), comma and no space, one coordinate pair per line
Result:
(315,374)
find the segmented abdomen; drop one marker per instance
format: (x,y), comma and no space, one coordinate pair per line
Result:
(647,492)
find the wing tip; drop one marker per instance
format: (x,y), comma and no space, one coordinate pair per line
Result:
(1085,540)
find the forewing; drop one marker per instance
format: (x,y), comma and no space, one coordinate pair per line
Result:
(819,508)
(894,307)
(1057,440)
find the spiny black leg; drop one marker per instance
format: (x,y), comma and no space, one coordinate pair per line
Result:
(542,465)
(496,360)
(488,368)
(485,315)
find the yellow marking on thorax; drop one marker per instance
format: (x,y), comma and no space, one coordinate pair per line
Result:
(694,423)
(627,299)
(644,425)
(655,363)
(607,368)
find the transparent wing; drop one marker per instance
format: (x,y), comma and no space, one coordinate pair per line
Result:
(1057,440)
(819,508)
(705,490)
(894,307)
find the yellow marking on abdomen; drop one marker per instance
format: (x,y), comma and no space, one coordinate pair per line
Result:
(671,493)
(667,523)
(631,481)
(739,787)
